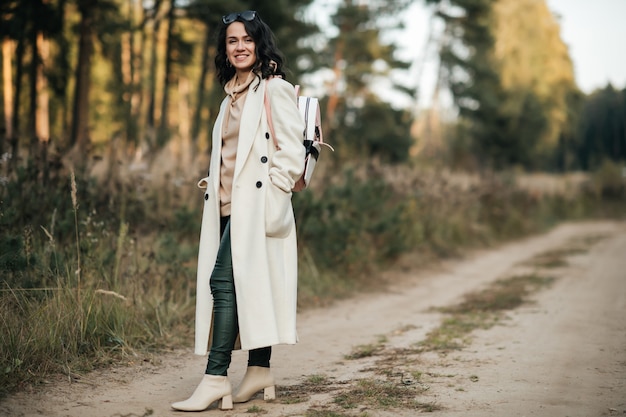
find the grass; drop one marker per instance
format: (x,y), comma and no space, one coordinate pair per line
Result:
(255,409)
(328,413)
(349,395)
(146,413)
(382,394)
(71,308)
(299,393)
(363,351)
(65,337)
(482,310)
(102,277)
(557,258)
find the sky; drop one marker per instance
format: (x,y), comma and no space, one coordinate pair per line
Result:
(595,32)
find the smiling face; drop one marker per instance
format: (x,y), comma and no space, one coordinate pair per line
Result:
(240,49)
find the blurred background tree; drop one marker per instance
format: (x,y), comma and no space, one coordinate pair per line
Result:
(92,82)
(512,79)
(602,128)
(360,123)
(132,73)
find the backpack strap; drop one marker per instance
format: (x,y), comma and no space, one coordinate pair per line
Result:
(268,112)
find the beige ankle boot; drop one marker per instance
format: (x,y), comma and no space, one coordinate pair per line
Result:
(257,378)
(211,389)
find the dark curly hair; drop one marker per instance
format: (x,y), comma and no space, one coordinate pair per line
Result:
(269,59)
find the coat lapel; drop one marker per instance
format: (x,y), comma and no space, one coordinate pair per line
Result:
(250,121)
(216,152)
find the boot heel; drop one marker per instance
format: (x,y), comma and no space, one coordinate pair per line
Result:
(212,388)
(269,393)
(226,403)
(256,379)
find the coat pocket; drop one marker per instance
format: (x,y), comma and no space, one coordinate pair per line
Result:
(278,212)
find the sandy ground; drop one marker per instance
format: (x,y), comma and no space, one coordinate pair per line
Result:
(563,355)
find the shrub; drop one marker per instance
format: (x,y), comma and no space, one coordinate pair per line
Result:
(86,282)
(609,181)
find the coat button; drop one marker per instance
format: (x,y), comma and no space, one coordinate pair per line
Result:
(267,135)
(264,159)
(206,196)
(259,184)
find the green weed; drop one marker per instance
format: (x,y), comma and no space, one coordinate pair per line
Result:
(482,310)
(256,410)
(381,394)
(363,351)
(327,413)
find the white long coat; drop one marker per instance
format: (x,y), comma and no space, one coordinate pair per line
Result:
(263,233)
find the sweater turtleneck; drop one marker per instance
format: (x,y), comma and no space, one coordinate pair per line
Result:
(237,92)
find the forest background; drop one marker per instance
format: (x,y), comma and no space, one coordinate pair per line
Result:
(108,105)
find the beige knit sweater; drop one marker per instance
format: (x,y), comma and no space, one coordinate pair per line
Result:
(237,91)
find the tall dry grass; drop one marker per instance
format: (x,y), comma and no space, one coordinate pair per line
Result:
(85,283)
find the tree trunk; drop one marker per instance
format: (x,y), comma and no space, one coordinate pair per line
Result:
(42,115)
(126,61)
(42,112)
(63,112)
(333,98)
(19,72)
(7,89)
(127,81)
(80,123)
(32,95)
(426,126)
(150,123)
(197,117)
(183,123)
(137,43)
(164,126)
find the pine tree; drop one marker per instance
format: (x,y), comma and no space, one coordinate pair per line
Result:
(358,57)
(511,78)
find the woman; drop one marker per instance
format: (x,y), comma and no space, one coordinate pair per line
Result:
(247,266)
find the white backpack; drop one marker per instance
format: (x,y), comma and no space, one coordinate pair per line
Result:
(312,137)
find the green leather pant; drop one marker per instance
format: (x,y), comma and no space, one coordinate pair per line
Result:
(225,322)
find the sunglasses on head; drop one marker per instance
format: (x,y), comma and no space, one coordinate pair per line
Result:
(248,16)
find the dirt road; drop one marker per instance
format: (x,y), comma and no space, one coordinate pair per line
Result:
(564,354)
